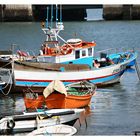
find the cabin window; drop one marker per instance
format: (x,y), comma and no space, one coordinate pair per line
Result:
(83,52)
(89,51)
(77,54)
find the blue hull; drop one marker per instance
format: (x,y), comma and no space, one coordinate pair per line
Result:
(98,81)
(132,63)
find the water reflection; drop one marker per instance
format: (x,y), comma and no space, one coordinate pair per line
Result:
(11,104)
(132,70)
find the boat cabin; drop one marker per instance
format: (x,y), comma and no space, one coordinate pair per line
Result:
(81,52)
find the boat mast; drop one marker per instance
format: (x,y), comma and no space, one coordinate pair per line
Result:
(52,31)
(56,15)
(60,13)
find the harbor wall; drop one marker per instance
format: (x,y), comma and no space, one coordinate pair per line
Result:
(39,12)
(121,12)
(16,13)
(70,12)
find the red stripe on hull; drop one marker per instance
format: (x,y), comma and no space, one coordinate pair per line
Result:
(28,80)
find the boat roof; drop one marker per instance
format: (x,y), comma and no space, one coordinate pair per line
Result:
(74,40)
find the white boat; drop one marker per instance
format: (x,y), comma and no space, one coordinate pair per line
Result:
(39,75)
(55,130)
(28,121)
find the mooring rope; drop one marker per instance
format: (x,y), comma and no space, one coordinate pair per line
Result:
(9,81)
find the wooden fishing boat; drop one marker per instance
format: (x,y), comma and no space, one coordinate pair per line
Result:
(39,75)
(55,130)
(24,73)
(28,121)
(71,61)
(56,95)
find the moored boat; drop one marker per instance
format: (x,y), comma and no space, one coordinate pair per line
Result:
(38,75)
(56,95)
(27,73)
(55,130)
(72,61)
(28,121)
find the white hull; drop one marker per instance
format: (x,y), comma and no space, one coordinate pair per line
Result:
(41,78)
(38,78)
(55,130)
(28,123)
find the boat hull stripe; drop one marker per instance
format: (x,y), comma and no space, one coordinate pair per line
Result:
(46,82)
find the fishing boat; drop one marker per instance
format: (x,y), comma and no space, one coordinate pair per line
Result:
(38,75)
(73,66)
(28,121)
(56,95)
(70,61)
(55,49)
(55,130)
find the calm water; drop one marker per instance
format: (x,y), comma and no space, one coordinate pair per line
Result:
(114,110)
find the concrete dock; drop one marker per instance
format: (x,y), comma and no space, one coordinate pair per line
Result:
(121,12)
(70,12)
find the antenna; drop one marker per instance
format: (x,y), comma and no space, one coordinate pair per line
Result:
(56,14)
(60,13)
(52,33)
(47,22)
(51,15)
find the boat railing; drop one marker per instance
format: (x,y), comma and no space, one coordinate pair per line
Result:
(113,51)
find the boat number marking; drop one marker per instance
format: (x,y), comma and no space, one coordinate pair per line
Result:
(122,67)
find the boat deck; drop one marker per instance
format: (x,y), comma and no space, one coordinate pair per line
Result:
(50,66)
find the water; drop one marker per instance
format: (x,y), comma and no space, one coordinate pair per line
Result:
(114,110)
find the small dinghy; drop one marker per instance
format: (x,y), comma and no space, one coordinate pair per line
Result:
(55,130)
(57,95)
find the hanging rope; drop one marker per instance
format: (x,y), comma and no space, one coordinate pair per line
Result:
(9,81)
(8,84)
(5,65)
